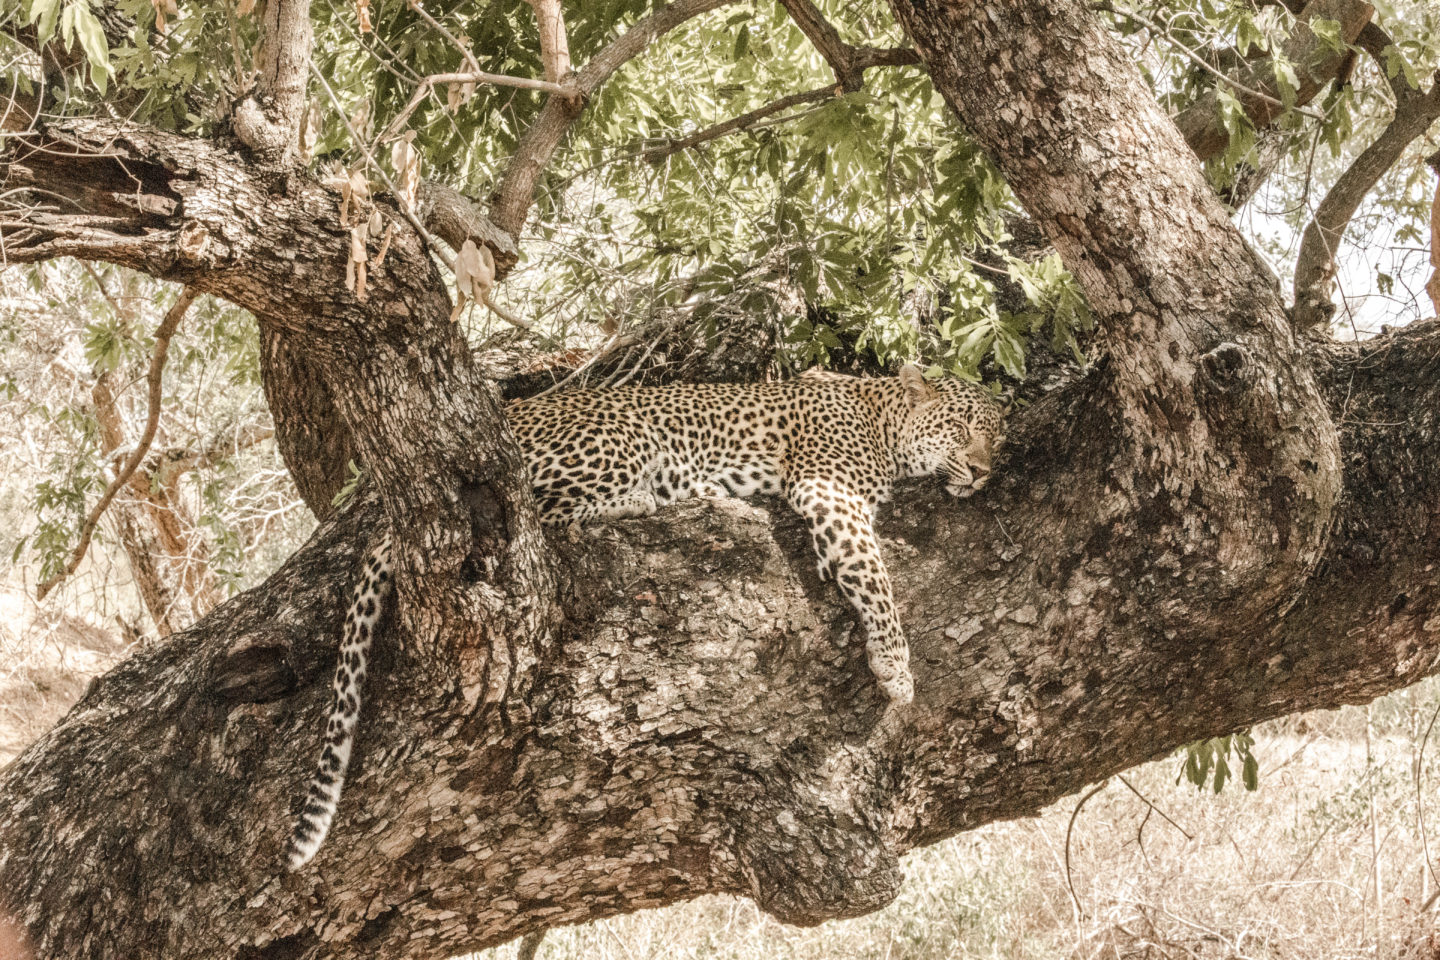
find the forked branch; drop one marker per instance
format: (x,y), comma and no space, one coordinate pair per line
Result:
(511,202)
(849,62)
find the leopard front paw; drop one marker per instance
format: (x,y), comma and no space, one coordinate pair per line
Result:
(892,675)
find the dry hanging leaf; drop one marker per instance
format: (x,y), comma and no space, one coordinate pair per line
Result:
(406,160)
(357,189)
(468,266)
(163,9)
(360,120)
(245,8)
(379,258)
(309,132)
(457,94)
(376,222)
(355,265)
(362,13)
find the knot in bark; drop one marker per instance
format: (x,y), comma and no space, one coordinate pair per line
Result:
(806,861)
(1227,365)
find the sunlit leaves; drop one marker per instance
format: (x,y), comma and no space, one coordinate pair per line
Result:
(1207,762)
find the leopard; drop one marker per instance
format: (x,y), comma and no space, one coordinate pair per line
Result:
(830,444)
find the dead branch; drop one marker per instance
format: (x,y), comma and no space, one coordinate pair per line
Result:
(163,333)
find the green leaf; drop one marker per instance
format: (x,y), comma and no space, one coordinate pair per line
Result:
(1328,31)
(92,41)
(742,43)
(44,13)
(1396,63)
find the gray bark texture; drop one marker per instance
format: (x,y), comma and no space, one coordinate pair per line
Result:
(1212,527)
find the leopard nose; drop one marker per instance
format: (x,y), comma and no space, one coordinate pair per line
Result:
(979,470)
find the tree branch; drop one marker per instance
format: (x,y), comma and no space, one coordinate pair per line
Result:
(1432,286)
(658,152)
(1317,64)
(511,201)
(268,121)
(640,778)
(1316,265)
(554,47)
(153,377)
(848,62)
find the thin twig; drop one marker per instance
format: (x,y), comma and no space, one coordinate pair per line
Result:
(659,152)
(163,333)
(1069,828)
(1146,800)
(1420,807)
(439,28)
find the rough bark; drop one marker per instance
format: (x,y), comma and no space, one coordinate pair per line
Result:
(683,737)
(423,422)
(1213,528)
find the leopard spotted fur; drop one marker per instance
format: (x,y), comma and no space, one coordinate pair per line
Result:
(831,445)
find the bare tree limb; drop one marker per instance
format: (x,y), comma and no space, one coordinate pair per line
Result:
(153,377)
(511,202)
(554,46)
(1316,264)
(658,152)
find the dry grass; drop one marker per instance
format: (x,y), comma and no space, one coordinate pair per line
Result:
(1325,861)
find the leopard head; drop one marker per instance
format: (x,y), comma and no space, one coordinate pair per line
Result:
(953,428)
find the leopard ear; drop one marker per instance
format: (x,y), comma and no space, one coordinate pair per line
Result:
(917,391)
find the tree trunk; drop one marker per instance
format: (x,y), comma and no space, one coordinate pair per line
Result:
(1212,528)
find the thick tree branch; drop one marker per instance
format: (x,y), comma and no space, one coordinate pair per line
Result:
(1316,65)
(511,202)
(174,208)
(682,739)
(1317,263)
(268,121)
(154,378)
(1165,270)
(455,218)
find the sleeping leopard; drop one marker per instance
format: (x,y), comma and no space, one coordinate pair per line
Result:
(831,445)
